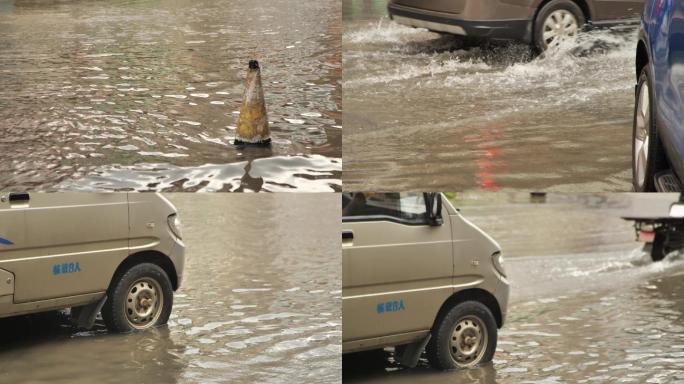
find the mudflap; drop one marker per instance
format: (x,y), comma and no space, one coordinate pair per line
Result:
(84,317)
(647,248)
(409,354)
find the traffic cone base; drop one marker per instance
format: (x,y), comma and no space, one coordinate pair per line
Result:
(263,143)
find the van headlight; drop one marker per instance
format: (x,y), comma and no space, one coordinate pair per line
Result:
(498,261)
(175,225)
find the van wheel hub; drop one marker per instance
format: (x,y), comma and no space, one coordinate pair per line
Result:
(143,303)
(468,341)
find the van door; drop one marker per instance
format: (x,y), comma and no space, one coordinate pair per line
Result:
(397,269)
(617,9)
(12,238)
(72,244)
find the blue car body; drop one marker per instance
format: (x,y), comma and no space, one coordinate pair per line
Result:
(661,47)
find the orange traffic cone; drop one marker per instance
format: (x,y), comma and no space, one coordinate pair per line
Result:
(252,125)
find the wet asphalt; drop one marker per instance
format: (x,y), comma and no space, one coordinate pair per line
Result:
(144,95)
(423,112)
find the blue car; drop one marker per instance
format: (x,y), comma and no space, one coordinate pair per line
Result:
(658,131)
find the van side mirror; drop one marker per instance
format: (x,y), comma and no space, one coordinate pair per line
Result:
(433,202)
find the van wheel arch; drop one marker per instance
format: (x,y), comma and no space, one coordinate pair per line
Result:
(475,294)
(153,257)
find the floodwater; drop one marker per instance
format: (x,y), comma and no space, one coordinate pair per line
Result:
(422,113)
(587,305)
(260,303)
(144,95)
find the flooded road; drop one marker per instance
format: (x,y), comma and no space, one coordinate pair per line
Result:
(144,95)
(260,303)
(422,113)
(587,305)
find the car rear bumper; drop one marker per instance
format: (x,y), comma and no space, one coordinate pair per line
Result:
(450,23)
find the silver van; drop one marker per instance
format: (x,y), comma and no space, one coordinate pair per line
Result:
(418,276)
(118,253)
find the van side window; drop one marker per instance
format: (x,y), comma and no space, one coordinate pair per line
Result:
(407,208)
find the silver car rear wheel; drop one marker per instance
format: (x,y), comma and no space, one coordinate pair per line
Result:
(559,26)
(556,21)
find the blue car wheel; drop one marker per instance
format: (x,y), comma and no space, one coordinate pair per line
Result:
(647,154)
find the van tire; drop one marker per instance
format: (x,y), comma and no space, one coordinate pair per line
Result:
(438,349)
(114,309)
(546,11)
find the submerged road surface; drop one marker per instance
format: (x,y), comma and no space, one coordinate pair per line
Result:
(587,306)
(260,303)
(144,95)
(422,113)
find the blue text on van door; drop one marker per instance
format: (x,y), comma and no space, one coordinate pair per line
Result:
(65,268)
(391,306)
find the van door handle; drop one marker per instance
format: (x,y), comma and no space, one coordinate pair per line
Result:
(18,196)
(347,235)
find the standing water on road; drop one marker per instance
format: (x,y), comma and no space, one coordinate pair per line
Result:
(144,95)
(422,113)
(260,302)
(586,306)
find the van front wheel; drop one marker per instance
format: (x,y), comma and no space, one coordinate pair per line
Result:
(464,337)
(139,299)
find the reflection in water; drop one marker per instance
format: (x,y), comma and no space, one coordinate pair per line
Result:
(421,111)
(88,86)
(313,173)
(43,348)
(587,305)
(260,302)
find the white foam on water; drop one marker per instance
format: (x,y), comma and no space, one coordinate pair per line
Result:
(408,71)
(104,54)
(270,317)
(599,63)
(311,114)
(314,173)
(383,31)
(170,155)
(243,290)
